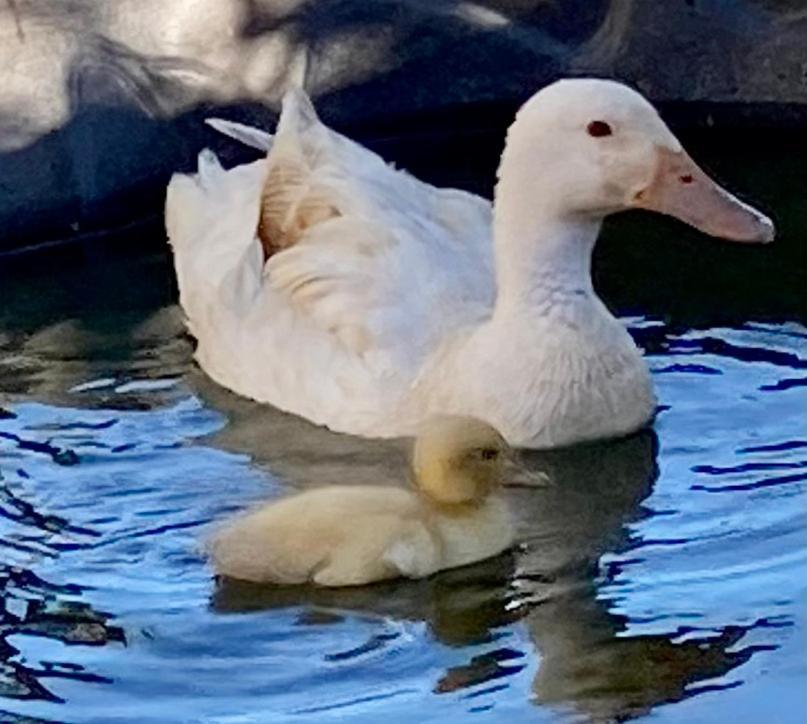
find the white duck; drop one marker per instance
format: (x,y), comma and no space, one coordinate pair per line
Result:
(327,283)
(343,535)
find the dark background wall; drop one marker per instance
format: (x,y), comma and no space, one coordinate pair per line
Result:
(100,100)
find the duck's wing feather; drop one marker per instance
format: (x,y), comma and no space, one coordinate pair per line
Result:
(366,264)
(380,259)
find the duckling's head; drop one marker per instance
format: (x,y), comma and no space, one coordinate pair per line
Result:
(458,459)
(586,147)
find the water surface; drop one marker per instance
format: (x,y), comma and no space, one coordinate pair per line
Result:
(660,576)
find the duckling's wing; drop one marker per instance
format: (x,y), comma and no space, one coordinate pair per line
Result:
(414,553)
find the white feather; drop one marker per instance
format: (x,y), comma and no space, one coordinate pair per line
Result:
(249,136)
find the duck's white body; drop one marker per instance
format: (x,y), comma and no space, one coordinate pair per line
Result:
(382,303)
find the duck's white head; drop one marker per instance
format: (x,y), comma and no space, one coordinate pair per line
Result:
(589,147)
(458,459)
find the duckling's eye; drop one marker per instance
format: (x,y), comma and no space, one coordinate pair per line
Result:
(489,453)
(598,129)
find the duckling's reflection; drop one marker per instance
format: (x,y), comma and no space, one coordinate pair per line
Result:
(550,586)
(461,606)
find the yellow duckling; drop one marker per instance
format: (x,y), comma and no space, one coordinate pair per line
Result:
(352,535)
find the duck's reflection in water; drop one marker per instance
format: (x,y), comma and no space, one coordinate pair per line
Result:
(587,661)
(549,584)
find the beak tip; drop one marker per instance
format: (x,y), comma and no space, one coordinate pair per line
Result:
(767,231)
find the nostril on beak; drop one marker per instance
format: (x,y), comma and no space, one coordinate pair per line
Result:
(686,179)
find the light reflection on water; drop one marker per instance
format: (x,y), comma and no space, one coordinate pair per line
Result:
(667,567)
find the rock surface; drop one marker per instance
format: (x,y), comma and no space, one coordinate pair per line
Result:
(101,99)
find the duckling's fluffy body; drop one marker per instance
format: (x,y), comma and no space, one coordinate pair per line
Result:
(352,535)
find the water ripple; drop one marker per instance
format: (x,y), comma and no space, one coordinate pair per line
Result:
(635,584)
(769,482)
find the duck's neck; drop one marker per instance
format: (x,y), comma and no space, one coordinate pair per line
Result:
(543,258)
(542,250)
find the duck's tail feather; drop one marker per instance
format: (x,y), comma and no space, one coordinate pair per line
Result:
(297,114)
(249,136)
(297,117)
(295,196)
(211,218)
(210,171)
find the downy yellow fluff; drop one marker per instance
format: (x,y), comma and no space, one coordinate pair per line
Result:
(352,535)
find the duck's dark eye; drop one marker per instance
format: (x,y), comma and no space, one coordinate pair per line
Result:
(489,453)
(598,129)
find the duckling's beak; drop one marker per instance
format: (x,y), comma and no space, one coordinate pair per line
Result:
(682,189)
(518,474)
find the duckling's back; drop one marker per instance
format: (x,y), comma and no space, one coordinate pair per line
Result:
(339,535)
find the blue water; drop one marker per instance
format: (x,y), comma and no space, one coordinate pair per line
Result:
(660,577)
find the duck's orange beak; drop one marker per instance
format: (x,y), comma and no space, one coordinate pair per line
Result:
(680,188)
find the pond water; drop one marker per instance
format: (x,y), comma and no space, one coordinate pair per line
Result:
(658,576)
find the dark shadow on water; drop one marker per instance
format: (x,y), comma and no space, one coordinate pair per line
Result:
(45,613)
(31,606)
(461,607)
